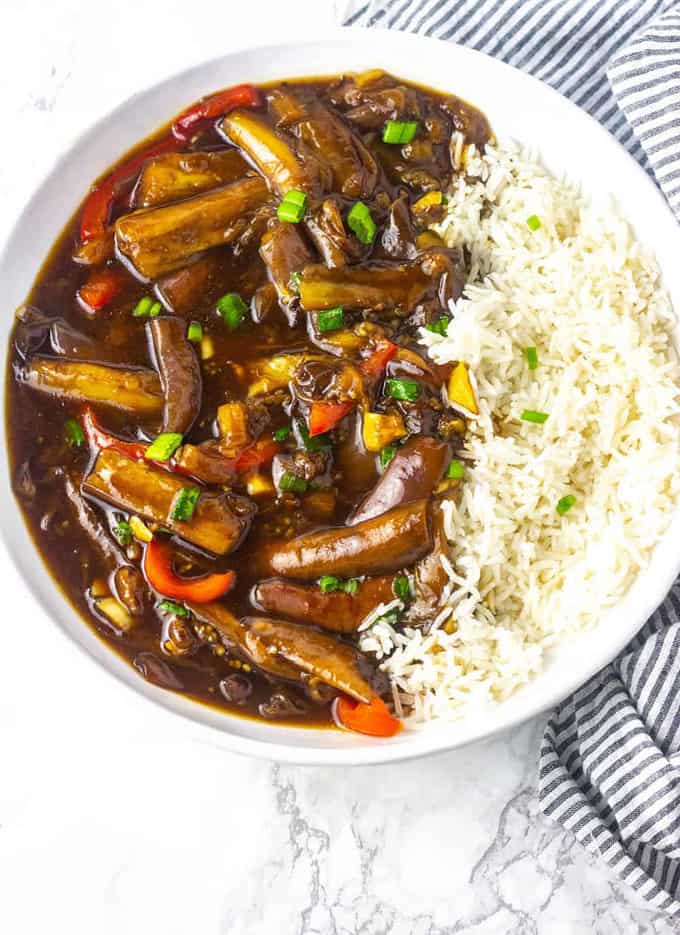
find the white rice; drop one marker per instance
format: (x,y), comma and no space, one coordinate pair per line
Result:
(589,298)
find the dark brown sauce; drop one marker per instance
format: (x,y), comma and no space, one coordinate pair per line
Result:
(47,471)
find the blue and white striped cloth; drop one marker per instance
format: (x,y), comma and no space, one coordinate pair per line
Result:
(610,757)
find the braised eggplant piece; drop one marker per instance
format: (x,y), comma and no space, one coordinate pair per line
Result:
(284,164)
(381,287)
(317,654)
(373,547)
(182,291)
(179,371)
(238,449)
(284,253)
(137,391)
(156,241)
(138,488)
(336,611)
(173,176)
(412,474)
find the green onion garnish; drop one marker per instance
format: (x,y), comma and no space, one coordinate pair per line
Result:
(280,435)
(232,308)
(142,308)
(294,282)
(75,437)
(329,583)
(361,223)
(155,310)
(532,357)
(292,208)
(331,319)
(123,532)
(439,326)
(386,455)
(533,222)
(195,332)
(291,482)
(171,607)
(317,443)
(531,415)
(163,447)
(402,588)
(565,504)
(455,470)
(408,390)
(398,131)
(185,504)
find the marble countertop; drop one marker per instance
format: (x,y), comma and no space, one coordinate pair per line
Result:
(115,824)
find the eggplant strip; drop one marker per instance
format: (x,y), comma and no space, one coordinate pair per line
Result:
(138,391)
(317,654)
(182,290)
(374,547)
(335,611)
(136,487)
(274,155)
(159,240)
(284,252)
(412,474)
(179,175)
(180,373)
(376,286)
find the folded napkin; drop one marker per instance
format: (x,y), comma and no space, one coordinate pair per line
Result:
(610,757)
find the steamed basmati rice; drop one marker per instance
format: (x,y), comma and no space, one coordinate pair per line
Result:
(589,298)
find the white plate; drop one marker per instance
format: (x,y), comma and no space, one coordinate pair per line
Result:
(518,107)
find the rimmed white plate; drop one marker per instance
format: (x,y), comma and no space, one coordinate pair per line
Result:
(519,107)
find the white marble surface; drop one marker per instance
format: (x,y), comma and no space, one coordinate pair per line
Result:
(113,823)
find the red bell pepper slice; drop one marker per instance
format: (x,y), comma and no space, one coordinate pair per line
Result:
(102,287)
(160,575)
(100,438)
(242,95)
(325,416)
(257,455)
(97,206)
(375,365)
(373,719)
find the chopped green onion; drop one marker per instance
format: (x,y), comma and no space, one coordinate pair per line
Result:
(361,223)
(171,607)
(329,583)
(195,332)
(291,482)
(294,282)
(392,617)
(532,357)
(386,455)
(143,307)
(402,588)
(185,504)
(75,437)
(408,390)
(455,470)
(123,532)
(292,208)
(155,310)
(398,131)
(565,504)
(533,222)
(163,447)
(317,443)
(280,435)
(531,415)
(331,319)
(439,326)
(232,308)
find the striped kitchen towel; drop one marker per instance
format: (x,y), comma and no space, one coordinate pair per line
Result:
(610,757)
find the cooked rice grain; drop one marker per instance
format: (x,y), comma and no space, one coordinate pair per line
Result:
(589,298)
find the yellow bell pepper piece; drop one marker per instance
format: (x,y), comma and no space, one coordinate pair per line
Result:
(460,389)
(380,430)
